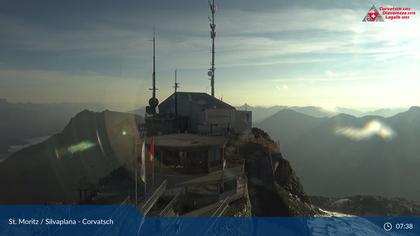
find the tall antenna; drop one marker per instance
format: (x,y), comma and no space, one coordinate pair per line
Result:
(213,36)
(176,86)
(154,64)
(153,102)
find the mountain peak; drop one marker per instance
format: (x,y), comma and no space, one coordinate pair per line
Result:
(245,106)
(343,116)
(414,109)
(84,113)
(290,112)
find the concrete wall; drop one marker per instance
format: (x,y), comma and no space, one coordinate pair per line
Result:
(243,121)
(193,106)
(221,121)
(186,108)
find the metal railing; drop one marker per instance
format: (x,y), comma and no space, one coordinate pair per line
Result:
(167,210)
(222,207)
(150,202)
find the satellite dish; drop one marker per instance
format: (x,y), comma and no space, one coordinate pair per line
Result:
(153,102)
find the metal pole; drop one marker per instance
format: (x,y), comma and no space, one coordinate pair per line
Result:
(176,95)
(153,102)
(212,52)
(153,166)
(154,65)
(136,174)
(145,167)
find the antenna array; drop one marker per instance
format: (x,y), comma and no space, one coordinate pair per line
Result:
(213,36)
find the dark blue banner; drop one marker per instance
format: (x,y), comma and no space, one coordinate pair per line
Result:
(127,220)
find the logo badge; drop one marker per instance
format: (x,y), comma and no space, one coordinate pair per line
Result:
(373,15)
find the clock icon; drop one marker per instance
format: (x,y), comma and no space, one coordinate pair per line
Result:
(387,226)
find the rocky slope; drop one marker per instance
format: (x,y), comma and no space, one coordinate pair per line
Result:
(369,205)
(89,148)
(273,187)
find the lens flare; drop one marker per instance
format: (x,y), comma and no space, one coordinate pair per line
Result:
(80,147)
(98,139)
(372,128)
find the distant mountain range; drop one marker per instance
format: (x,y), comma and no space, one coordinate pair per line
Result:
(21,121)
(89,148)
(346,155)
(260,113)
(22,124)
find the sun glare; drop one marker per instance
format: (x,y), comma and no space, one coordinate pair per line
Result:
(371,129)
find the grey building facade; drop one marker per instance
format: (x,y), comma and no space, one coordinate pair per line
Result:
(205,114)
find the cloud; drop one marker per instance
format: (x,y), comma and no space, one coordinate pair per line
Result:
(329,73)
(283,87)
(293,45)
(244,37)
(41,86)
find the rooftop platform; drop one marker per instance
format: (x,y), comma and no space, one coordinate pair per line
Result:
(217,176)
(187,140)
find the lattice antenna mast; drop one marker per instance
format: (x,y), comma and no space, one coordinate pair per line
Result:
(176,86)
(213,36)
(153,102)
(154,65)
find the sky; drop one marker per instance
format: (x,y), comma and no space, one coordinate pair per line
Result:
(268,52)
